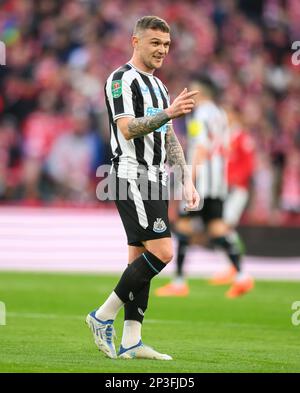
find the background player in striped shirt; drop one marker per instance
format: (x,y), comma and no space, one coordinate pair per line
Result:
(208,148)
(142,139)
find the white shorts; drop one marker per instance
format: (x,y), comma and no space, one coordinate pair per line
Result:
(234,205)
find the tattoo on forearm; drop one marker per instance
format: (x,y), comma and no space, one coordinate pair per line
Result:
(144,125)
(174,150)
(175,153)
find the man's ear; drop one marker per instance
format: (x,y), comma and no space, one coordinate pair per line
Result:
(134,41)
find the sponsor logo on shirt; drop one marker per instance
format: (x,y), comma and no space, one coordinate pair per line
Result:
(145,90)
(152,112)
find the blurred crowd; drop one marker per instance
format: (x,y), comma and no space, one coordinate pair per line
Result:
(53,123)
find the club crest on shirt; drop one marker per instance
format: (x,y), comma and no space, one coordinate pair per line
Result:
(159,225)
(116,88)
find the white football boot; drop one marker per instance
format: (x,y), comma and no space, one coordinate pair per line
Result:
(141,351)
(104,333)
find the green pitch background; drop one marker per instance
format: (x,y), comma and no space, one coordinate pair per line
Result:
(45,330)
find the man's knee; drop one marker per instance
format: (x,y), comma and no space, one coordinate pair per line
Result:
(218,228)
(165,254)
(161,248)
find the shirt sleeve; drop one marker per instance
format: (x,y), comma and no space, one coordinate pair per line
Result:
(120,98)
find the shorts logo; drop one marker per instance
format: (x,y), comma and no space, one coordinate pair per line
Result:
(116,88)
(159,225)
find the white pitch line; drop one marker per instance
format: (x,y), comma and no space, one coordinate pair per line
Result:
(26,315)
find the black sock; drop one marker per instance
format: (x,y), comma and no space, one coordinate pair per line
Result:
(181,251)
(231,248)
(137,275)
(135,310)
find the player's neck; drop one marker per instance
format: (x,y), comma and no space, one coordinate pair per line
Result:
(140,66)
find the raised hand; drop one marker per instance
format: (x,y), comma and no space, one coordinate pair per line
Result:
(182,105)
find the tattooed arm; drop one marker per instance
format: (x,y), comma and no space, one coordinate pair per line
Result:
(140,126)
(137,127)
(176,158)
(144,125)
(175,154)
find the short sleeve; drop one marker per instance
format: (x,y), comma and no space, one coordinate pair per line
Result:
(120,98)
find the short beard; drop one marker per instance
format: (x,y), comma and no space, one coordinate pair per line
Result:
(152,66)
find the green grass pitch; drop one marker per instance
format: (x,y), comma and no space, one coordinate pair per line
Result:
(45,329)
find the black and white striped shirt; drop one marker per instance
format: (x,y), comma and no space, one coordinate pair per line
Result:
(130,92)
(207,126)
